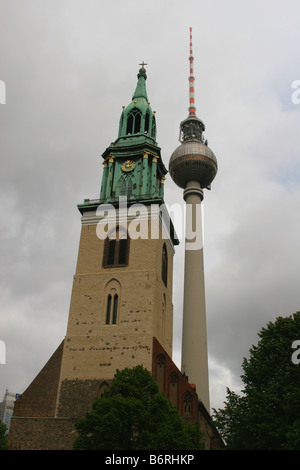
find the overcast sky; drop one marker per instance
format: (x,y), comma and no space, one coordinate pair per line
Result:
(69,66)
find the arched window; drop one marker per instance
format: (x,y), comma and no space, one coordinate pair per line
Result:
(108,309)
(115,309)
(153,130)
(111,252)
(164,265)
(137,123)
(187,408)
(125,185)
(129,124)
(112,309)
(134,122)
(160,372)
(147,123)
(173,389)
(116,248)
(112,296)
(103,386)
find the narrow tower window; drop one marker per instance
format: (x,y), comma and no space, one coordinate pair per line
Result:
(125,185)
(129,187)
(164,265)
(153,130)
(173,390)
(112,295)
(108,309)
(160,372)
(129,124)
(187,406)
(111,252)
(147,123)
(116,249)
(134,122)
(137,123)
(115,309)
(122,251)
(112,309)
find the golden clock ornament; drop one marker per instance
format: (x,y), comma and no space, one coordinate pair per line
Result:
(128,165)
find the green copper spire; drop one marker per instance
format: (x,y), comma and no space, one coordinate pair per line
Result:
(140,91)
(138,118)
(132,164)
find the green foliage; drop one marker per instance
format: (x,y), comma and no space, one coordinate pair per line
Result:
(134,415)
(3,436)
(266,416)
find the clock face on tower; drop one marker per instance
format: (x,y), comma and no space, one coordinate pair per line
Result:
(128,165)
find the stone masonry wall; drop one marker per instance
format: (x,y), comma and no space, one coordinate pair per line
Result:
(39,399)
(42,433)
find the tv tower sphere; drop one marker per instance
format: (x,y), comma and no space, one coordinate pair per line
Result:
(193,160)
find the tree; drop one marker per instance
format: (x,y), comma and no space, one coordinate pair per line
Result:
(267,415)
(134,415)
(3,436)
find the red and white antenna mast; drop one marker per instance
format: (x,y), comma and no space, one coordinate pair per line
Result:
(192,109)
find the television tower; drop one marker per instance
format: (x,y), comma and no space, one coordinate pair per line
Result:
(193,167)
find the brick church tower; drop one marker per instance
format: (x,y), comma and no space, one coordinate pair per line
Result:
(121,312)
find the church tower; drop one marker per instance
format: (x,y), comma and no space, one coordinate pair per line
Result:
(122,288)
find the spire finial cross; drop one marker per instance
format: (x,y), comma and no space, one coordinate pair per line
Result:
(142,64)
